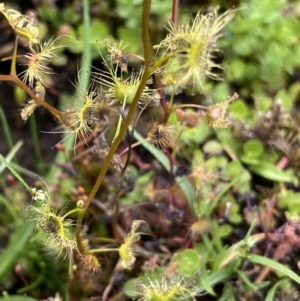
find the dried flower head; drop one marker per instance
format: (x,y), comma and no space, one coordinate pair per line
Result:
(215,115)
(91,263)
(191,48)
(23,25)
(126,250)
(116,163)
(117,56)
(189,118)
(161,134)
(38,61)
(31,105)
(199,227)
(203,174)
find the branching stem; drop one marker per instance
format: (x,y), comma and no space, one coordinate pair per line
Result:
(30,93)
(14,58)
(130,115)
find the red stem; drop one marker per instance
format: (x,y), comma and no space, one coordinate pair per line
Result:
(30,93)
(175,12)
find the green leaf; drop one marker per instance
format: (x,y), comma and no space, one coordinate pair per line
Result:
(212,147)
(188,262)
(17,298)
(19,239)
(204,282)
(188,190)
(291,200)
(195,135)
(220,275)
(9,207)
(219,91)
(238,109)
(129,288)
(246,280)
(253,148)
(133,41)
(10,155)
(274,265)
(13,171)
(225,230)
(269,171)
(6,129)
(138,193)
(98,31)
(272,292)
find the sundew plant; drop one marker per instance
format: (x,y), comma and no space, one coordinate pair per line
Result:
(145,196)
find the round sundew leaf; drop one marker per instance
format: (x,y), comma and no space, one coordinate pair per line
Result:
(236,218)
(269,171)
(212,147)
(225,230)
(253,148)
(289,199)
(129,288)
(188,262)
(238,109)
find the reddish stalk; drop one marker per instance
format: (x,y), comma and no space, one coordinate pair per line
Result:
(126,124)
(30,93)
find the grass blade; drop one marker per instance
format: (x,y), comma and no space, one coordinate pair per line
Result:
(11,154)
(274,265)
(14,172)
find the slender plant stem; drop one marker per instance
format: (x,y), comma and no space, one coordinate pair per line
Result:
(6,130)
(163,102)
(146,40)
(35,139)
(175,12)
(171,102)
(86,57)
(71,212)
(14,58)
(104,250)
(188,106)
(103,240)
(130,115)
(30,93)
(132,146)
(8,58)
